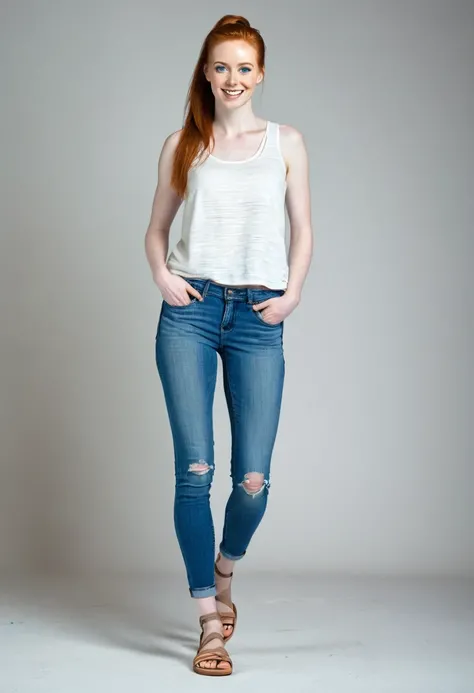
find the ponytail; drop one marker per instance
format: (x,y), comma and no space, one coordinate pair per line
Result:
(197,131)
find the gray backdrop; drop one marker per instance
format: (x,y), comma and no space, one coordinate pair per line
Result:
(372,468)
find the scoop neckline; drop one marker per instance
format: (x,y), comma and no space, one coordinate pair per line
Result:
(261,147)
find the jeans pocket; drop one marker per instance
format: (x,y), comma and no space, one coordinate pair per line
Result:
(196,284)
(259,317)
(193,299)
(261,296)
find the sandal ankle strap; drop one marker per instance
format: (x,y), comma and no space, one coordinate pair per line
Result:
(223,575)
(214,616)
(212,636)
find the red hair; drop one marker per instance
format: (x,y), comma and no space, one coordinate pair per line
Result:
(196,134)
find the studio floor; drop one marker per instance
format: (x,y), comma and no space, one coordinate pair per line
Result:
(299,635)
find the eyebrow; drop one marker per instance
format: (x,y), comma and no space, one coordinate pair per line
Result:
(221,62)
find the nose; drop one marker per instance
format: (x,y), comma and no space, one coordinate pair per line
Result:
(232,78)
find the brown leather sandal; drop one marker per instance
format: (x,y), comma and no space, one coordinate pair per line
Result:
(218,654)
(227,619)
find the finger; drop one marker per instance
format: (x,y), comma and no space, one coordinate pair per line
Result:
(194,292)
(260,306)
(180,300)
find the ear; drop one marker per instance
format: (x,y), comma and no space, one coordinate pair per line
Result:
(260,76)
(206,72)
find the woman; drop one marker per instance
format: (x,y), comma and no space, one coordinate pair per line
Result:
(227,288)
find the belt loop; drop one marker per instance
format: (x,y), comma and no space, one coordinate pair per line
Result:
(206,288)
(249,296)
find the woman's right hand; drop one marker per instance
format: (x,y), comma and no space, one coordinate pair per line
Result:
(174,289)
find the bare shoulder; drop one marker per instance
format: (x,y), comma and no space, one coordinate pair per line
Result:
(166,157)
(290,135)
(292,144)
(170,144)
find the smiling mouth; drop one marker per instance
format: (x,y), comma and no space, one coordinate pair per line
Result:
(233,92)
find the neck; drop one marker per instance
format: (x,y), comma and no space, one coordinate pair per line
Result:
(231,123)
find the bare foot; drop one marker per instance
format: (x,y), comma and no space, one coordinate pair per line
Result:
(214,626)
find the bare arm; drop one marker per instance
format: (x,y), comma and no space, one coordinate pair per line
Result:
(166,203)
(298,204)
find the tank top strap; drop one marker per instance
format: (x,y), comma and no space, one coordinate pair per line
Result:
(272,143)
(273,134)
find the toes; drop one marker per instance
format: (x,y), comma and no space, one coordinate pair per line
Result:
(213,664)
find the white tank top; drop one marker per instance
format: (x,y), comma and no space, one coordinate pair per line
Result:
(233,229)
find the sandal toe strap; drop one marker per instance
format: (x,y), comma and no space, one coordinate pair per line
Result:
(218,653)
(228,619)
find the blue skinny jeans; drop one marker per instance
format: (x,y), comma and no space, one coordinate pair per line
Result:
(188,340)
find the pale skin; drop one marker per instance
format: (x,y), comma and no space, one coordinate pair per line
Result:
(232,65)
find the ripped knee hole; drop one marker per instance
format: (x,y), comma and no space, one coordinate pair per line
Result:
(200,468)
(254,483)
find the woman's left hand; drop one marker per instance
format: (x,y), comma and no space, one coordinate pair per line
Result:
(275,310)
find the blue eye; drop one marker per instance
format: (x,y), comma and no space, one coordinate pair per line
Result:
(221,68)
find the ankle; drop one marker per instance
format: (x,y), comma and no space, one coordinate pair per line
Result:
(206,605)
(225,565)
(213,626)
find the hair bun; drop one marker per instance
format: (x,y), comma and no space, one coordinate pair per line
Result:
(233,19)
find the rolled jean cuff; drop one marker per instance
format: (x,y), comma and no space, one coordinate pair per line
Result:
(229,556)
(200,592)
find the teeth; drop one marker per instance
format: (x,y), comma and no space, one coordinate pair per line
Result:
(233,93)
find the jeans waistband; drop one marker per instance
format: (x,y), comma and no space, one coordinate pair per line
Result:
(207,287)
